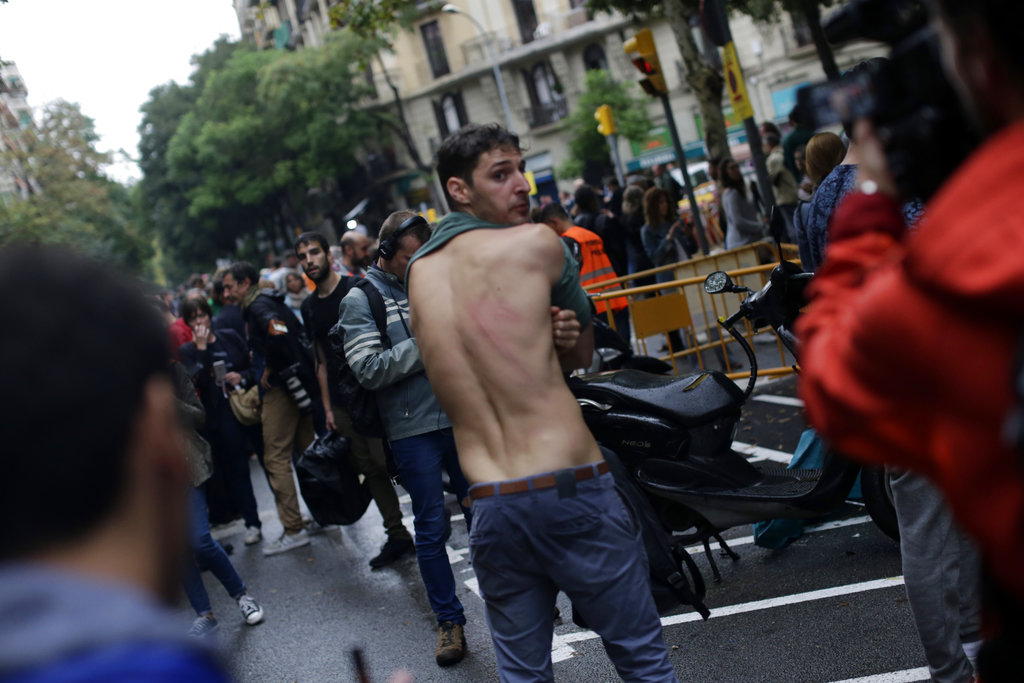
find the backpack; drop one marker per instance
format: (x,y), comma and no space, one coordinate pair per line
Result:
(358,402)
(668,564)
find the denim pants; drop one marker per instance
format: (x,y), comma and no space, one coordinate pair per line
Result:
(942,576)
(527,546)
(211,554)
(420,460)
(229,441)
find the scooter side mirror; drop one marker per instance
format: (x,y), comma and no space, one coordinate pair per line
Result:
(718,282)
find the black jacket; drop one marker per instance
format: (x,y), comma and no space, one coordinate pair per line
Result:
(277,336)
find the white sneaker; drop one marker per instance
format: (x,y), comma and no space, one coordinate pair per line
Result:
(286,542)
(253,535)
(251,610)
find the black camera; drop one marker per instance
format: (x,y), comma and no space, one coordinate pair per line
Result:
(908,98)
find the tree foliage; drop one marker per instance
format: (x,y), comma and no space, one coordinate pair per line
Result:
(72,203)
(629,108)
(254,137)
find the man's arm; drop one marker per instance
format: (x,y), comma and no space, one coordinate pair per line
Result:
(321,380)
(374,366)
(567,294)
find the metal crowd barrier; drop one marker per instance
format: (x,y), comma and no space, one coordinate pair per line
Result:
(683,305)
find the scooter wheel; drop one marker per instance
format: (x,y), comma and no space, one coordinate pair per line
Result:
(874,484)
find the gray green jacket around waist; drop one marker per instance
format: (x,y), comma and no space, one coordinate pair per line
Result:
(406,401)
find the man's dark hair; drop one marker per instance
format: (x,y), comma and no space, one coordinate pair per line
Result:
(461,150)
(772,139)
(553,211)
(309,237)
(75,360)
(586,199)
(192,307)
(1001,19)
(243,270)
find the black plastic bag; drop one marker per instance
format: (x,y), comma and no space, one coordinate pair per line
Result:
(329,485)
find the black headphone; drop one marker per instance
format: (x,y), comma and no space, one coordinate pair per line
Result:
(389,247)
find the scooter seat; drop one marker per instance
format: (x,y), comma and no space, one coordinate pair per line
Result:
(689,401)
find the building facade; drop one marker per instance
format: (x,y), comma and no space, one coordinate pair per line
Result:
(15,118)
(443,68)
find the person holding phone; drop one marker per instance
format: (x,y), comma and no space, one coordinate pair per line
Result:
(228,437)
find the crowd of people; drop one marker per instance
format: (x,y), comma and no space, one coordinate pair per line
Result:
(468,377)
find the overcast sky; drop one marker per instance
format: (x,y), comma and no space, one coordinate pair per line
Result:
(107,55)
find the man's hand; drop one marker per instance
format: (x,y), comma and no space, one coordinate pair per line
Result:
(265,379)
(329,419)
(232,379)
(565,329)
(873,165)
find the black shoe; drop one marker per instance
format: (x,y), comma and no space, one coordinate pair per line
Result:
(393,550)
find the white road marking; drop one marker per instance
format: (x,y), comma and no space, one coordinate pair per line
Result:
(561,642)
(780,400)
(814,528)
(761,453)
(905,676)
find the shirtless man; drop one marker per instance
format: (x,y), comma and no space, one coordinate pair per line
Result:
(545,514)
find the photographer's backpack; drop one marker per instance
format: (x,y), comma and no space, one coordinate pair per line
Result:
(357,401)
(668,565)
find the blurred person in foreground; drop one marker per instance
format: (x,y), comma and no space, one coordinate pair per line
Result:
(910,338)
(93,496)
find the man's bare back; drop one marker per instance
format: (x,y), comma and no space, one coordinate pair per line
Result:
(481,315)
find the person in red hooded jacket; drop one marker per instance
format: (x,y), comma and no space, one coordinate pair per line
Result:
(910,338)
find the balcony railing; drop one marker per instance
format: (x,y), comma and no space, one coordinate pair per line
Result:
(543,114)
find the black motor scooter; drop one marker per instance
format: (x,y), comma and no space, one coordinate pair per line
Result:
(675,435)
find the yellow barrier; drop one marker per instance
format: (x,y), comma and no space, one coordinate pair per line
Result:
(684,305)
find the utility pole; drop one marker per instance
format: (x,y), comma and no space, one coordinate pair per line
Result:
(644,55)
(606,127)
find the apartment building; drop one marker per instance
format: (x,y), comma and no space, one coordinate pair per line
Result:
(15,117)
(443,68)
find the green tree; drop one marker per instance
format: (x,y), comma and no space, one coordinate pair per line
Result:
(629,108)
(236,156)
(72,202)
(187,243)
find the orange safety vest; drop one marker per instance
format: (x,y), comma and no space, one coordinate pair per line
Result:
(596,267)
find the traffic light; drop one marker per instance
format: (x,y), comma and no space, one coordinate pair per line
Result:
(605,120)
(644,54)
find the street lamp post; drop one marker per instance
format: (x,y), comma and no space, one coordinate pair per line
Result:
(452,9)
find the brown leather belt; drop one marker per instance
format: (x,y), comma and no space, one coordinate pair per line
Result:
(540,481)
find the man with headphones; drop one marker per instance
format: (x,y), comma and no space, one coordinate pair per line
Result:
(416,427)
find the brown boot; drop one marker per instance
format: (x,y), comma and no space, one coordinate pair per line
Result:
(451,644)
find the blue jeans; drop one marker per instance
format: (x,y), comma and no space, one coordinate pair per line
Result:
(420,460)
(212,555)
(229,442)
(527,546)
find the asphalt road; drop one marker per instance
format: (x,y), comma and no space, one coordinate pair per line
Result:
(830,607)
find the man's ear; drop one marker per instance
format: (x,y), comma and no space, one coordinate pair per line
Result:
(459,190)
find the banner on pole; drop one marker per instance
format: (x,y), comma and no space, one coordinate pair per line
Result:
(734,79)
